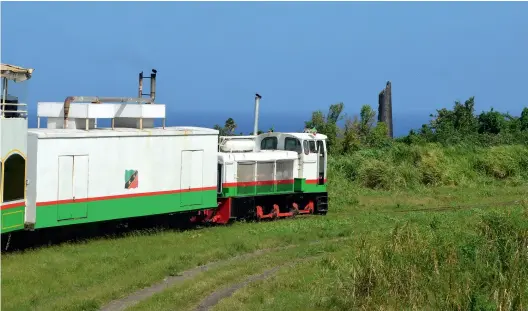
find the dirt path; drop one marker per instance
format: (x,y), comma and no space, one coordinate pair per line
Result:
(142,294)
(214,298)
(225,292)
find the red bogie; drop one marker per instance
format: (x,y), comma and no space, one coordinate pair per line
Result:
(225,212)
(275,212)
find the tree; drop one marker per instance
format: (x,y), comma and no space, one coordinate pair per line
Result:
(378,136)
(367,119)
(492,122)
(351,137)
(228,129)
(327,125)
(524,119)
(230,126)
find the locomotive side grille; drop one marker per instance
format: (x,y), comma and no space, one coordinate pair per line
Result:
(246,178)
(265,177)
(284,175)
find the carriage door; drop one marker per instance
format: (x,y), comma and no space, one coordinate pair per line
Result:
(191,177)
(321,159)
(72,191)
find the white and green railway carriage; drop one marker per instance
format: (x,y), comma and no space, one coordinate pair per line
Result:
(79,175)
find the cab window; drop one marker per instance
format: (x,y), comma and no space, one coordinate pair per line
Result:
(292,144)
(320,146)
(313,149)
(269,143)
(306,147)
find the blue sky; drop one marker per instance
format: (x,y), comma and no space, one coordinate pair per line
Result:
(299,56)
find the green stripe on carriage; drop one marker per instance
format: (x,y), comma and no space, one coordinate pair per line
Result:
(13,218)
(101,209)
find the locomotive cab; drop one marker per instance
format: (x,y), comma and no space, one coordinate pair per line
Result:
(311,150)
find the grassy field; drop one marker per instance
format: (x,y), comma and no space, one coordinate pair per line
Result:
(461,247)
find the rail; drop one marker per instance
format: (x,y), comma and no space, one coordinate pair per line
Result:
(12,110)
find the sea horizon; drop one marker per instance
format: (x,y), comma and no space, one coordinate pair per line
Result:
(279,121)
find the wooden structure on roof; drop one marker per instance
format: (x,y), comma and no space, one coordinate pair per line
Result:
(16,74)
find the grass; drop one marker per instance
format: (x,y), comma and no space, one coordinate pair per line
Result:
(392,259)
(422,263)
(192,291)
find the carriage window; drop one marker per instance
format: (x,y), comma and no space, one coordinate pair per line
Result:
(269,143)
(292,144)
(14,179)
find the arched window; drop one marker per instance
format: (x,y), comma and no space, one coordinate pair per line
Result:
(269,143)
(14,178)
(292,144)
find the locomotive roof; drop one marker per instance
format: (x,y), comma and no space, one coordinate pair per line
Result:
(304,136)
(263,155)
(121,132)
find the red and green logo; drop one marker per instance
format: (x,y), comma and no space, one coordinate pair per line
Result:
(131,179)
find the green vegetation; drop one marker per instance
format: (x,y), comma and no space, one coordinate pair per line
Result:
(437,219)
(457,148)
(402,166)
(457,127)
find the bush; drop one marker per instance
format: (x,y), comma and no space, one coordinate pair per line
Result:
(402,166)
(503,162)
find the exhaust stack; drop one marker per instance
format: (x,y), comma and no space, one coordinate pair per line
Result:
(257,102)
(140,91)
(152,85)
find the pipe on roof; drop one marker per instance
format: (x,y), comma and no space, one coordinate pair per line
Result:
(98,100)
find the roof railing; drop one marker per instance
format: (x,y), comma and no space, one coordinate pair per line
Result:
(13,110)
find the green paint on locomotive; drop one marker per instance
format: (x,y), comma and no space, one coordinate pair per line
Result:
(301,185)
(298,185)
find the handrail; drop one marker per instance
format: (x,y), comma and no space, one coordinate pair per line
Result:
(98,100)
(15,112)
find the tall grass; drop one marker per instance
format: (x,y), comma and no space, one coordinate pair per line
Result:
(482,267)
(414,166)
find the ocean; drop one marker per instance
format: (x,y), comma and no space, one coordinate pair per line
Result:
(281,122)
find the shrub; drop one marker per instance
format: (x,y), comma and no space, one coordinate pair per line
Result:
(403,166)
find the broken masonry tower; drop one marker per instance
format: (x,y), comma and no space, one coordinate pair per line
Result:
(385,108)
